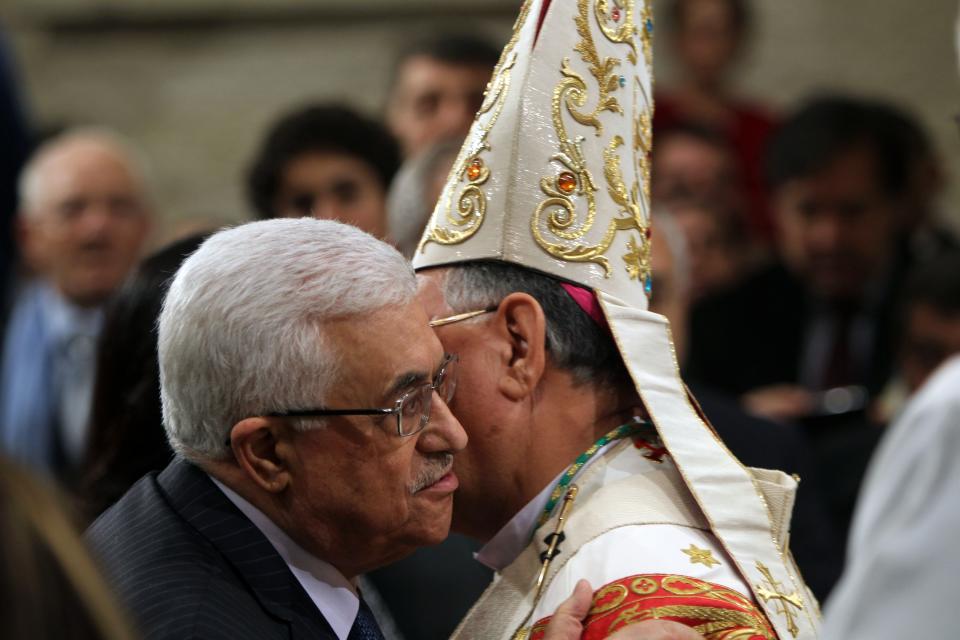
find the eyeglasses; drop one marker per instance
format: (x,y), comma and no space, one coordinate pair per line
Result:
(440,322)
(412,409)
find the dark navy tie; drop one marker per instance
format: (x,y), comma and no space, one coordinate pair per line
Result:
(365,626)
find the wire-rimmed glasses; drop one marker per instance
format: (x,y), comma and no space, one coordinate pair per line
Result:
(412,409)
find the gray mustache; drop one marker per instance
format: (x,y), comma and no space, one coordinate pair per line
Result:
(436,466)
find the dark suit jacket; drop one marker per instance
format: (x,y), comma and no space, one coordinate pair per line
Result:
(753,334)
(188,564)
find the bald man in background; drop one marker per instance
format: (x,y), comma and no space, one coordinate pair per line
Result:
(83,220)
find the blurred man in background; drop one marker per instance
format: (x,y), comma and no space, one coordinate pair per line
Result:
(437,88)
(821,316)
(695,181)
(809,337)
(694,164)
(719,254)
(924,233)
(83,220)
(327,162)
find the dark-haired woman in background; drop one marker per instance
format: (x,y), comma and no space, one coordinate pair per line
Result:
(126,433)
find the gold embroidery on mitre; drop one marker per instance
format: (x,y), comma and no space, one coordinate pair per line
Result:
(616,23)
(769,589)
(556,225)
(571,95)
(637,258)
(471,202)
(646,31)
(643,140)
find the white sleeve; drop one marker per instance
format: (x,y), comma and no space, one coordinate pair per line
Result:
(642,549)
(903,558)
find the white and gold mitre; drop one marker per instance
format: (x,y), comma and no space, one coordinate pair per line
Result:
(555,176)
(555,173)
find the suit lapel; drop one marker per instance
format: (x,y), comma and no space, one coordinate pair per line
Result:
(198,500)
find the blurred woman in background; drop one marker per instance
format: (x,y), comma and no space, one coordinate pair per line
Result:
(127,439)
(707,38)
(50,588)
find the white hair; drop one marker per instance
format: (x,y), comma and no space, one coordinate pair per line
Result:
(408,206)
(31,181)
(241,332)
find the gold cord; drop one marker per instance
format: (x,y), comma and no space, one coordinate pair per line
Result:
(553,545)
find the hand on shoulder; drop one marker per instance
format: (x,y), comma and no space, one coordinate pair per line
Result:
(566,623)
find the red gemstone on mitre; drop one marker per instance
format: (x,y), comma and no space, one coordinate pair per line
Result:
(615,14)
(648,232)
(474,169)
(567,182)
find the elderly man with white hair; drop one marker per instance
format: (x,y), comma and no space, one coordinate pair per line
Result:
(303,392)
(306,397)
(83,219)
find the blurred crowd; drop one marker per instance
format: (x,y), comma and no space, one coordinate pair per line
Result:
(811,281)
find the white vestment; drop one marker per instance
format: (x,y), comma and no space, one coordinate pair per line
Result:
(633,516)
(902,558)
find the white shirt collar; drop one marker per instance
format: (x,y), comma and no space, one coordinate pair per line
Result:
(333,594)
(503,548)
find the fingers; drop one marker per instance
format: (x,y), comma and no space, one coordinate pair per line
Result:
(566,621)
(578,604)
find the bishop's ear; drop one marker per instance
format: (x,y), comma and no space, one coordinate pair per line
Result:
(259,447)
(521,321)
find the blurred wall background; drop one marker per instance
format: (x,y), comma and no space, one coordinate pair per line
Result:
(195,82)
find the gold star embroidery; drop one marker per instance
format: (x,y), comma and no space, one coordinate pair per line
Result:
(701,556)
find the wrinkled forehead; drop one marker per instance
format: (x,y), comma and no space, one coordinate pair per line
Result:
(397,338)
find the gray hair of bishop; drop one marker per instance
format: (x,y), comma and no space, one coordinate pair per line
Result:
(574,342)
(241,332)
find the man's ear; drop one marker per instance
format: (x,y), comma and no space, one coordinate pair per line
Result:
(522,324)
(258,446)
